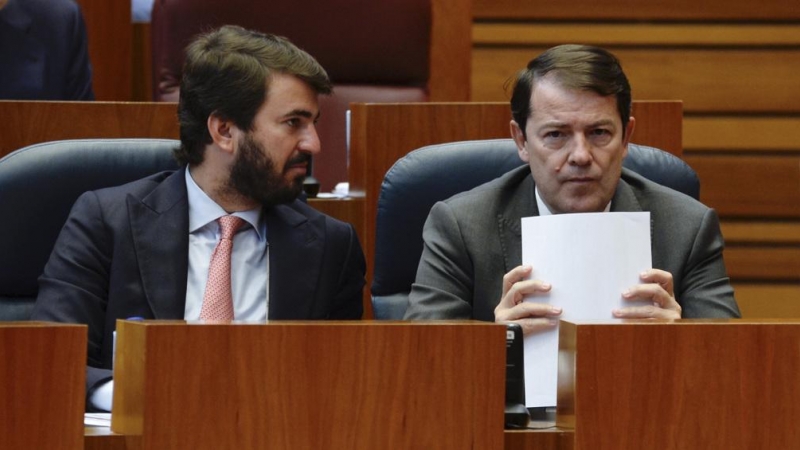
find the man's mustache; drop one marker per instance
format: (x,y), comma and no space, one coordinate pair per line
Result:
(300,159)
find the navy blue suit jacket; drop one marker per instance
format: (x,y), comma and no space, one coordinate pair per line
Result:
(124,252)
(43,49)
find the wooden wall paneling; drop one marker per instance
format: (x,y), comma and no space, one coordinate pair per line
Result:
(25,123)
(692,35)
(742,133)
(749,186)
(763,263)
(688,10)
(774,300)
(762,232)
(707,80)
(108,25)
(451,50)
(141,77)
(659,124)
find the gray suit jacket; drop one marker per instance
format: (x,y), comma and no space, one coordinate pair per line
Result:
(472,239)
(124,252)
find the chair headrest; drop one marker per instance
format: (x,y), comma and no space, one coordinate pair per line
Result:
(39,184)
(357,42)
(437,172)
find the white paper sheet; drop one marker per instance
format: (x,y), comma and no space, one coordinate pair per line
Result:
(97,419)
(589,259)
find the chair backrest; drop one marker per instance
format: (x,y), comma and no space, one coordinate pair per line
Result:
(373,51)
(39,184)
(437,172)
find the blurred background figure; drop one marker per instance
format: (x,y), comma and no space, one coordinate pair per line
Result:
(141,10)
(43,49)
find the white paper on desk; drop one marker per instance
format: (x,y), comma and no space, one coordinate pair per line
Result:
(97,419)
(589,259)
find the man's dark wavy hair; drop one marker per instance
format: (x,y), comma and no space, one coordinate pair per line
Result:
(579,67)
(226,73)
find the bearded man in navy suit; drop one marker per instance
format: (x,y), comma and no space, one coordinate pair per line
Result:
(248,111)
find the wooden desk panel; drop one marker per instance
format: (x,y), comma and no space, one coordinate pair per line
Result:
(688,384)
(110,35)
(309,385)
(550,439)
(30,122)
(42,379)
(545,439)
(99,438)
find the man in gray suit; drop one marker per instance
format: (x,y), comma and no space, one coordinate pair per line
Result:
(572,124)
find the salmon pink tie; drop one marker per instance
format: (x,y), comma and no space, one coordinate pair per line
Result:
(218,301)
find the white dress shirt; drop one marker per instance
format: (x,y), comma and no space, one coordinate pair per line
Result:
(249,267)
(249,260)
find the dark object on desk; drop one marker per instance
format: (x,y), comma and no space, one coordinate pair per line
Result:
(516,414)
(311,187)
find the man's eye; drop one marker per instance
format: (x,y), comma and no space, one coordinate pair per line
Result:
(294,123)
(553,134)
(601,132)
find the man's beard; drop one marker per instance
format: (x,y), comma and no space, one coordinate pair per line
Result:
(254,175)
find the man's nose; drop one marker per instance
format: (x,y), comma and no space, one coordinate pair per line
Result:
(310,142)
(581,152)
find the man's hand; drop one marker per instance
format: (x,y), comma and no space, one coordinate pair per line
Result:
(531,316)
(657,289)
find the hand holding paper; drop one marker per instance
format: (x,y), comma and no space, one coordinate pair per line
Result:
(656,287)
(532,316)
(590,260)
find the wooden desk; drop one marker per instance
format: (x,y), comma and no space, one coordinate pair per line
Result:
(101,438)
(710,384)
(310,385)
(42,375)
(552,438)
(548,439)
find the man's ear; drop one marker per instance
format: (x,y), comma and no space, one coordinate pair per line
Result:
(222,132)
(628,134)
(519,139)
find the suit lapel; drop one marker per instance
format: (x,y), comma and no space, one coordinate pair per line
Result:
(520,201)
(625,201)
(295,259)
(160,229)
